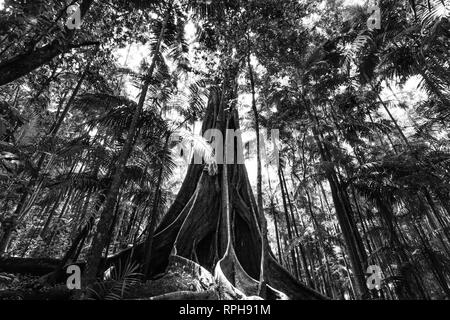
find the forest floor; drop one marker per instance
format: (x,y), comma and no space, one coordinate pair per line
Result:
(180,281)
(170,286)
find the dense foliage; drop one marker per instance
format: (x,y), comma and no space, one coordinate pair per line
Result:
(91,120)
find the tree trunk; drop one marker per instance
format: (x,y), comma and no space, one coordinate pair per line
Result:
(259,196)
(154,212)
(344,212)
(214,219)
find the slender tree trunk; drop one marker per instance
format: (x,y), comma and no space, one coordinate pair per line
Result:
(58,220)
(277,232)
(259,196)
(153,216)
(344,214)
(288,224)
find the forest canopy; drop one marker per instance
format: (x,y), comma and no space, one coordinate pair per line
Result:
(225,149)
